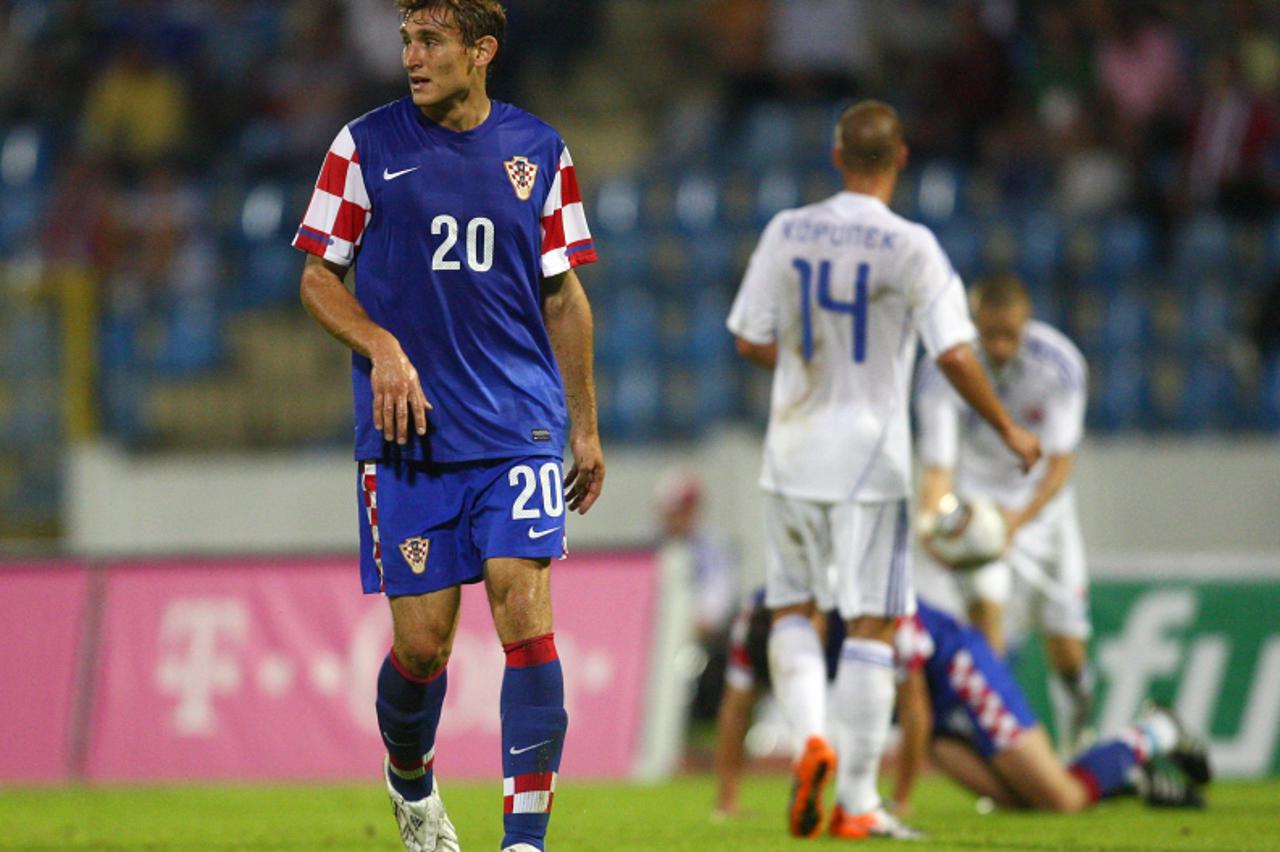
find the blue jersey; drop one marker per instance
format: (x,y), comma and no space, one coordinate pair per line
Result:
(453,232)
(974,694)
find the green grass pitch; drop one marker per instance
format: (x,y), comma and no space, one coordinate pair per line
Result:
(593,816)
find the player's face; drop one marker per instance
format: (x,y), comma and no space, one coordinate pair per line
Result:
(440,66)
(1000,330)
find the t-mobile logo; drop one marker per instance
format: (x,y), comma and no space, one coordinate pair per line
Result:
(193,631)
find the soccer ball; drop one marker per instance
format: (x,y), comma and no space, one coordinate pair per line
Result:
(968,532)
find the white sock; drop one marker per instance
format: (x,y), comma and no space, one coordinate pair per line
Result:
(1072,700)
(1161,734)
(798,668)
(864,708)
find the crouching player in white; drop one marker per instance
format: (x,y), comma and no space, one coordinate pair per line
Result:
(835,298)
(1040,377)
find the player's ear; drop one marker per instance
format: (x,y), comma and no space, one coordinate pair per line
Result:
(484,51)
(836,160)
(904,153)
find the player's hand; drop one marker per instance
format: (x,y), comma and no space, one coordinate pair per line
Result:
(397,393)
(1024,444)
(1013,521)
(584,480)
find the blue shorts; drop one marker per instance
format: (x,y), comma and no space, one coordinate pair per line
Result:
(978,701)
(426,527)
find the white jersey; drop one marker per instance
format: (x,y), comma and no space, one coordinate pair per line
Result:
(1043,389)
(846,288)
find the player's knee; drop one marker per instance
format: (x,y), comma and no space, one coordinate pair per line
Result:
(423,655)
(1066,801)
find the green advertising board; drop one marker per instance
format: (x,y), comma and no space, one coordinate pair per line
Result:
(1210,648)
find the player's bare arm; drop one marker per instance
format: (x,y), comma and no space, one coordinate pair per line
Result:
(915,715)
(761,354)
(961,367)
(1057,473)
(397,391)
(567,314)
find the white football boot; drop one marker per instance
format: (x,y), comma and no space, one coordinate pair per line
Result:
(521,847)
(424,824)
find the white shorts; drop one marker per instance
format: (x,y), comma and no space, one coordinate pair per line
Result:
(1042,579)
(853,556)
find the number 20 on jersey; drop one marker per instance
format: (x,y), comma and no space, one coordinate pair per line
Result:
(857,309)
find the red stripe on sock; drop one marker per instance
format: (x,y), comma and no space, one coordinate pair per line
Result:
(408,675)
(1090,783)
(405,765)
(531,652)
(532,782)
(508,804)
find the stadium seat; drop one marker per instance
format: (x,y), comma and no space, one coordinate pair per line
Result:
(940,192)
(1202,244)
(769,136)
(962,239)
(778,189)
(1118,391)
(1039,244)
(617,205)
(697,203)
(26,155)
(1126,246)
(193,337)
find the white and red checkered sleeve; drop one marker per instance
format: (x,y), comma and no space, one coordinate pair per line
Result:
(913,646)
(340,207)
(566,241)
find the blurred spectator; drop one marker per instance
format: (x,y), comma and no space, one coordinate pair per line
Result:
(1093,178)
(77,225)
(1232,130)
(736,32)
(1059,72)
(820,48)
(1259,45)
(308,92)
(136,110)
(712,574)
(973,81)
(1139,66)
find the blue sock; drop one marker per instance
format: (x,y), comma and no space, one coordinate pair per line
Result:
(533,727)
(1107,768)
(408,715)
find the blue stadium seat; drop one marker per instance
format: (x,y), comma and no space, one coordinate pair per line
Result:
(1269,394)
(20,211)
(1202,244)
(778,189)
(697,203)
(617,206)
(193,337)
(1119,393)
(638,400)
(1207,400)
(1126,246)
(26,157)
(963,241)
(940,190)
(1211,314)
(769,136)
(1126,323)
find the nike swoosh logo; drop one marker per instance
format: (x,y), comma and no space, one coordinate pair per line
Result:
(540,533)
(514,750)
(387,174)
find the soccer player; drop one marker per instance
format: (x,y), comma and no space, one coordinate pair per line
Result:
(471,336)
(1040,376)
(958,698)
(834,300)
(948,676)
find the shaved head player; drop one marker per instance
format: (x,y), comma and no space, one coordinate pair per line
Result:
(834,301)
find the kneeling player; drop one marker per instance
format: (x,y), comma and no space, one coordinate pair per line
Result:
(956,696)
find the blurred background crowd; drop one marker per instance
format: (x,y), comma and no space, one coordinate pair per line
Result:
(155,158)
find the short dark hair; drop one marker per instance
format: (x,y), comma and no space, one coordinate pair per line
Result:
(869,137)
(475,19)
(997,292)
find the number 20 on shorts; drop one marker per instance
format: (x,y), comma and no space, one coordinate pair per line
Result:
(857,309)
(522,476)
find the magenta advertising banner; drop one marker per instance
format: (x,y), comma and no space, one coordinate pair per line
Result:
(265,669)
(42,614)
